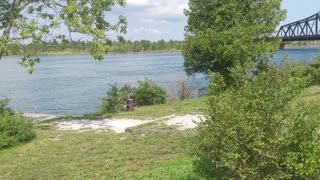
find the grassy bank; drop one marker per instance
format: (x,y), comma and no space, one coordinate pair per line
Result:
(312,94)
(152,151)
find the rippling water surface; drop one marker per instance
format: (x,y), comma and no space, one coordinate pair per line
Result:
(74,84)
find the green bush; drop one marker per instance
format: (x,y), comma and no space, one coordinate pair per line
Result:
(253,131)
(116,99)
(14,129)
(302,141)
(149,93)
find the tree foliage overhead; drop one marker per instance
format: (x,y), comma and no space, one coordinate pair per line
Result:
(38,21)
(223,34)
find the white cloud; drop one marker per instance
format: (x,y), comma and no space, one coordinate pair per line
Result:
(138,2)
(169,11)
(149,31)
(165,10)
(154,19)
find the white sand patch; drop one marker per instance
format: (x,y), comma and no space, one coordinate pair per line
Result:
(116,125)
(121,125)
(185,122)
(77,125)
(40,117)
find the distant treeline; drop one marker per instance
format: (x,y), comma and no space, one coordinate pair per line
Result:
(72,47)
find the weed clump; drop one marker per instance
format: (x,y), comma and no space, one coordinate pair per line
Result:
(14,128)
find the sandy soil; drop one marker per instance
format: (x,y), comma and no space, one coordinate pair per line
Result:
(185,122)
(117,125)
(40,117)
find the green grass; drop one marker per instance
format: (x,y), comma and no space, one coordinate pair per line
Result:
(92,155)
(312,94)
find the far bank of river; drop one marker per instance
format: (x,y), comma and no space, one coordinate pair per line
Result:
(69,52)
(74,84)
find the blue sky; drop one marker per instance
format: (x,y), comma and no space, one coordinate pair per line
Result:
(164,19)
(299,9)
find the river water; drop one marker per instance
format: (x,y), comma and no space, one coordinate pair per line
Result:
(74,84)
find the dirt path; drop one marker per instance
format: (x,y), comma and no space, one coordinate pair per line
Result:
(119,125)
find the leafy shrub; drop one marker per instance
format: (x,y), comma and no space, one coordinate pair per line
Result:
(116,99)
(149,93)
(14,129)
(302,141)
(253,132)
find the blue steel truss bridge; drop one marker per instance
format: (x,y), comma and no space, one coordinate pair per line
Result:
(303,30)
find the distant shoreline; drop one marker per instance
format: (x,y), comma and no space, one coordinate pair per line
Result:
(302,47)
(87,53)
(302,44)
(58,53)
